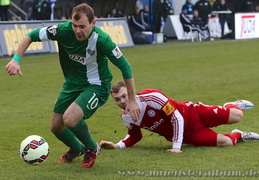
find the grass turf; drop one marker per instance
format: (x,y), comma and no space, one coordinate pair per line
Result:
(210,72)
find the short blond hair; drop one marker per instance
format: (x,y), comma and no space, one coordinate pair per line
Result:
(117,86)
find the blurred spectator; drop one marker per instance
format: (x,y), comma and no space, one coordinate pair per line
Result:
(220,5)
(198,22)
(4,6)
(204,9)
(136,22)
(246,6)
(63,8)
(26,5)
(112,14)
(233,5)
(188,24)
(138,29)
(41,10)
(52,6)
(257,8)
(120,13)
(189,6)
(161,9)
(144,14)
(157,8)
(167,9)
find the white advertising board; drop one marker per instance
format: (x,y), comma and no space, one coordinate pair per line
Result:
(246,25)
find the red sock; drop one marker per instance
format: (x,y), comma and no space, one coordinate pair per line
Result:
(233,106)
(234,137)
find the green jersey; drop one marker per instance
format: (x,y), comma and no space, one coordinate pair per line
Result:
(84,62)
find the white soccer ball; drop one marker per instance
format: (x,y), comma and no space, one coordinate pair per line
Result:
(34,150)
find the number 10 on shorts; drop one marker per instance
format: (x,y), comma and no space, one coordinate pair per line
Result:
(93,102)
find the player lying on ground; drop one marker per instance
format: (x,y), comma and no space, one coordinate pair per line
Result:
(179,122)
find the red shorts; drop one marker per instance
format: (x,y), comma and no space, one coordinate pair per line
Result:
(198,122)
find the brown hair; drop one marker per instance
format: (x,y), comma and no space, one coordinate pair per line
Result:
(83,8)
(117,86)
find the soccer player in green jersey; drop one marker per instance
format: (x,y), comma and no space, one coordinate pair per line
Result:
(84,51)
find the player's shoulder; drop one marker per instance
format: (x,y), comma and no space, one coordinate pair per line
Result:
(100,32)
(65,25)
(104,38)
(61,29)
(148,91)
(152,94)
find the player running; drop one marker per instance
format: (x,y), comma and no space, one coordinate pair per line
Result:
(179,122)
(84,50)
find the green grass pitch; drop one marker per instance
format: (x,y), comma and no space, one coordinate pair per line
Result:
(210,72)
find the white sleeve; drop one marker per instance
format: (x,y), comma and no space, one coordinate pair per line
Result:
(178,124)
(121,144)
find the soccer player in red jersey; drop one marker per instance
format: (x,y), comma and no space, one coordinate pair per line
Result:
(179,122)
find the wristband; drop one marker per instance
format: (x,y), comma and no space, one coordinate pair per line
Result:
(17,58)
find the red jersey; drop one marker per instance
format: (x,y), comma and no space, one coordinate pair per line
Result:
(176,121)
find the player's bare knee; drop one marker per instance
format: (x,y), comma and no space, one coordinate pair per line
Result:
(239,115)
(236,115)
(72,115)
(69,124)
(55,129)
(57,125)
(223,140)
(68,121)
(228,142)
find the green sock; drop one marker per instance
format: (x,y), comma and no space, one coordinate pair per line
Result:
(81,132)
(69,139)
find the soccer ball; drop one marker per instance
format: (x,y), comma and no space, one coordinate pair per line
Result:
(34,150)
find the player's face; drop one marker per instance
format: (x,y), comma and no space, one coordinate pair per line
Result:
(82,28)
(121,98)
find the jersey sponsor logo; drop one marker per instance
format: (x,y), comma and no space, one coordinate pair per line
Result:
(117,52)
(78,58)
(168,108)
(91,52)
(154,126)
(53,30)
(151,113)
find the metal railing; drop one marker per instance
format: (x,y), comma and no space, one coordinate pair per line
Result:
(19,10)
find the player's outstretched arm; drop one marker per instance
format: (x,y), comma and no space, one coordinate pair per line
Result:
(109,145)
(13,66)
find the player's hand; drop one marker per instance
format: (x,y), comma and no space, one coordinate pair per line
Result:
(133,108)
(175,150)
(13,67)
(109,145)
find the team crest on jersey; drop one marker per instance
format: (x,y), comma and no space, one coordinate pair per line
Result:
(53,30)
(168,108)
(117,52)
(151,113)
(90,52)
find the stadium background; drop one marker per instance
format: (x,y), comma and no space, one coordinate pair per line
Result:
(210,72)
